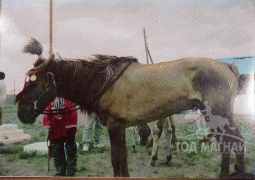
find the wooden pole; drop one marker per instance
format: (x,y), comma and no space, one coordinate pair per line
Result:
(14,88)
(50,53)
(145,46)
(51,30)
(150,55)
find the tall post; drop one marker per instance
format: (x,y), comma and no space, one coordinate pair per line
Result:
(145,46)
(51,33)
(50,53)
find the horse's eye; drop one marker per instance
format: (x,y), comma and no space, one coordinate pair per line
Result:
(33,78)
(27,79)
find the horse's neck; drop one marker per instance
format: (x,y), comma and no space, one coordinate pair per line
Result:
(77,84)
(66,81)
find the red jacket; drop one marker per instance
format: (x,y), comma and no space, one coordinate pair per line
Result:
(66,125)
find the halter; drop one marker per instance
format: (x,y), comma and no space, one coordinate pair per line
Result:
(31,79)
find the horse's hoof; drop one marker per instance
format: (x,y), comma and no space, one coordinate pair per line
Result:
(169,158)
(151,163)
(133,149)
(241,174)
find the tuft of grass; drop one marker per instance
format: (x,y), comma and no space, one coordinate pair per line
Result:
(42,134)
(155,171)
(11,158)
(26,155)
(177,165)
(201,176)
(83,169)
(176,176)
(11,150)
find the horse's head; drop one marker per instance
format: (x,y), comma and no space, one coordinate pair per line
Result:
(38,92)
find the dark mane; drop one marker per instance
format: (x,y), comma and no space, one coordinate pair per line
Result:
(85,78)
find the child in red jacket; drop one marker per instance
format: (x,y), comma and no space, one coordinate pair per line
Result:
(62,127)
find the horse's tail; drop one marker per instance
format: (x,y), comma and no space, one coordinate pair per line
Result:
(233,67)
(34,47)
(243,82)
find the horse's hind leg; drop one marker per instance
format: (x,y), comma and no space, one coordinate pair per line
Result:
(168,134)
(118,148)
(231,140)
(155,135)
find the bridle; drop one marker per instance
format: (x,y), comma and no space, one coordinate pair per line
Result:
(50,112)
(31,79)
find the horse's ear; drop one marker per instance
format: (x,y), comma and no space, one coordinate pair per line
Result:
(50,60)
(46,63)
(52,56)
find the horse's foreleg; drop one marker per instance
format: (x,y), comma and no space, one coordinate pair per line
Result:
(155,135)
(118,148)
(168,134)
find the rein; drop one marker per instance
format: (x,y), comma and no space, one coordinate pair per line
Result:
(49,112)
(113,82)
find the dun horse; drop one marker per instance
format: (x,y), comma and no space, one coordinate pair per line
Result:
(124,93)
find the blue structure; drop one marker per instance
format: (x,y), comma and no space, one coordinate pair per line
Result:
(245,64)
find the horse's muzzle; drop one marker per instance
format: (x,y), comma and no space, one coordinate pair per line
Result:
(27,118)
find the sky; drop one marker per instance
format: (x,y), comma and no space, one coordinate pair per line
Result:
(174,29)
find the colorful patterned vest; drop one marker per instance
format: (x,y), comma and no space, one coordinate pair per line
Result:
(61,124)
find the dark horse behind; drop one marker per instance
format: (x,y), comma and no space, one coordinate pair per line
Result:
(124,93)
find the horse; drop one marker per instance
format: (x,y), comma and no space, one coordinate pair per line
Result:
(125,93)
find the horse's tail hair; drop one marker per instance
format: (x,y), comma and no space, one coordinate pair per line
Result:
(243,82)
(34,47)
(233,67)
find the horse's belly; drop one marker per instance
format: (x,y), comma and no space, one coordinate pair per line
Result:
(145,112)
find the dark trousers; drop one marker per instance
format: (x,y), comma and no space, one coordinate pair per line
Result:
(65,163)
